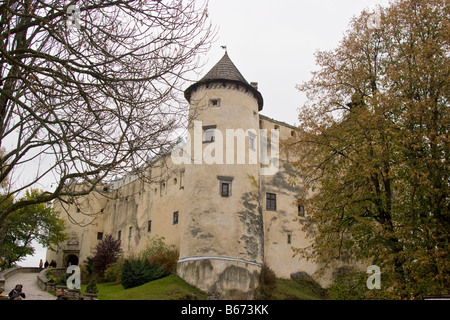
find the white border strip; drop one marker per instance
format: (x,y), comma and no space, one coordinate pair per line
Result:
(219,258)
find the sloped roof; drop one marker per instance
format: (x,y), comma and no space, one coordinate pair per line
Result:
(225,71)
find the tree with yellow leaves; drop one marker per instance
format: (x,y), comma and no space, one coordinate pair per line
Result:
(375,147)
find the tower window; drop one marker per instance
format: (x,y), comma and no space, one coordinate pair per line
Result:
(175,217)
(225,185)
(271,201)
(225,189)
(99,235)
(289,238)
(209,133)
(182,180)
(130,232)
(214,102)
(301,210)
(119,235)
(149,225)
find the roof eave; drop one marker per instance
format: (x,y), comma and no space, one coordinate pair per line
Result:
(255,92)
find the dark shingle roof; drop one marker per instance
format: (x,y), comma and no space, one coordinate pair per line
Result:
(225,71)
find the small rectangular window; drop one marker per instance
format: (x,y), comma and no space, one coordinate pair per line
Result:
(289,238)
(130,232)
(149,225)
(214,102)
(99,235)
(301,210)
(119,235)
(182,180)
(209,135)
(175,217)
(271,201)
(225,189)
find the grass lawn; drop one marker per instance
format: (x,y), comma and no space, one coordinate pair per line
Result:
(287,289)
(168,288)
(174,288)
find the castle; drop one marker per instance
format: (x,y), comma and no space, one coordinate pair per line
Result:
(226,206)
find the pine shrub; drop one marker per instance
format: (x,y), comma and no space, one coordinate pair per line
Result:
(136,272)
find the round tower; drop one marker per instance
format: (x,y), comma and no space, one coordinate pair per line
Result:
(222,240)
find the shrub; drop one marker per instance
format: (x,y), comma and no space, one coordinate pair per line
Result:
(167,260)
(136,272)
(114,272)
(92,287)
(155,246)
(107,251)
(267,283)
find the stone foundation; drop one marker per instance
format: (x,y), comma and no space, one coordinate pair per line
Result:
(231,278)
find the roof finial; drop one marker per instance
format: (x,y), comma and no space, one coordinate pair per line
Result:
(224,48)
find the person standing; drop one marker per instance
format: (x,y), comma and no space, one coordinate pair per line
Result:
(41,264)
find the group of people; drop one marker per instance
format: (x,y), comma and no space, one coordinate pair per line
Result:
(46,264)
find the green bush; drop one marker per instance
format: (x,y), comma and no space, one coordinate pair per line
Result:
(267,283)
(114,272)
(92,287)
(136,272)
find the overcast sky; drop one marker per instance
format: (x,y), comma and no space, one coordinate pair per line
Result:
(273,43)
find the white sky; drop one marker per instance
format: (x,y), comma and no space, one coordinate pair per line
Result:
(273,43)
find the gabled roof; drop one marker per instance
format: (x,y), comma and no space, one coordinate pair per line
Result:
(225,72)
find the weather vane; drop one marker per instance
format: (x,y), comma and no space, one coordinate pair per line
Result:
(224,48)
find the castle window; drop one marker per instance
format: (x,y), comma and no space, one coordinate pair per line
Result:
(175,217)
(162,188)
(119,235)
(149,225)
(292,133)
(130,232)
(225,189)
(301,210)
(209,135)
(225,185)
(271,201)
(277,127)
(182,180)
(289,238)
(99,235)
(214,102)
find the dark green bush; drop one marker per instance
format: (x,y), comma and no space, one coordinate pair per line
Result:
(92,287)
(136,272)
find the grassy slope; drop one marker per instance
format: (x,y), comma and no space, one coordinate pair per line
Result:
(175,288)
(167,288)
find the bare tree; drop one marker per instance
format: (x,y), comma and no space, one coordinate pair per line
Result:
(90,89)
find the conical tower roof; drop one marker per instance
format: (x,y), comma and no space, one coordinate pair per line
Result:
(225,72)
